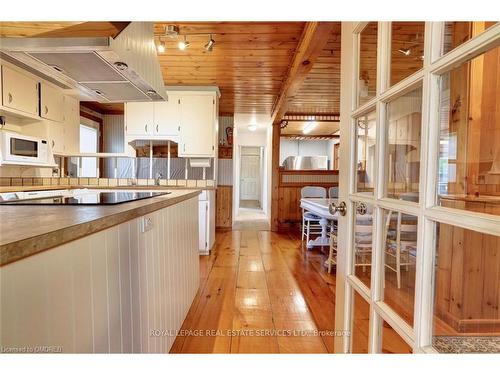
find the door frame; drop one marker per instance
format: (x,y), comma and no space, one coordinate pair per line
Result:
(428,212)
(260,178)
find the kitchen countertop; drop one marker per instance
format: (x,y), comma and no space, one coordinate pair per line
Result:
(28,230)
(9,189)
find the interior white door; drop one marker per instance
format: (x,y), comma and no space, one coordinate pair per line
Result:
(250,177)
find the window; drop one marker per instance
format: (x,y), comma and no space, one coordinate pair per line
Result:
(88,144)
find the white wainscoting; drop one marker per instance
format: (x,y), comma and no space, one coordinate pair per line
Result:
(105,293)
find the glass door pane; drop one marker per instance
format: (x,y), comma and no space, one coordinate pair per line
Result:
(365,153)
(469,141)
(367,75)
(457,33)
(392,343)
(466,296)
(407,49)
(404,121)
(360,324)
(363,242)
(400,256)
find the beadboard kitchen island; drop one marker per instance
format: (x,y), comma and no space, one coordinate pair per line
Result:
(98,279)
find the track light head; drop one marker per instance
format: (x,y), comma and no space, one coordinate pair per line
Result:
(183,44)
(210,44)
(161,47)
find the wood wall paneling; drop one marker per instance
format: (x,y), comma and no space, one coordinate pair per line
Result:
(224,206)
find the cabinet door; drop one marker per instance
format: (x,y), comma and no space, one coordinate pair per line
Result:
(51,103)
(71,125)
(203,227)
(167,116)
(139,118)
(57,138)
(19,92)
(197,126)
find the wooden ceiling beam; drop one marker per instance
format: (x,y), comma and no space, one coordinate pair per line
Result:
(312,41)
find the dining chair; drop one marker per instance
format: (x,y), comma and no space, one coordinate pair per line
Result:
(333,192)
(310,221)
(400,243)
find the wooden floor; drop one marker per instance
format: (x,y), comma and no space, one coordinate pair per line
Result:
(264,283)
(260,293)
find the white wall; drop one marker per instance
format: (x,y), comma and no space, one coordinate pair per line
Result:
(259,138)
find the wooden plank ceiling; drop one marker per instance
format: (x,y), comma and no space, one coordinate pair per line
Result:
(249,61)
(320,92)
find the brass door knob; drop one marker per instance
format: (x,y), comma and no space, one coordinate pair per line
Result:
(341,208)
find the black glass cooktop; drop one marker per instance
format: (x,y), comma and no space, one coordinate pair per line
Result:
(103,198)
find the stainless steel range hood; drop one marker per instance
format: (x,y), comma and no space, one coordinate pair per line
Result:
(120,69)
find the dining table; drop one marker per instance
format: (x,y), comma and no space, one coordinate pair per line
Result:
(320,207)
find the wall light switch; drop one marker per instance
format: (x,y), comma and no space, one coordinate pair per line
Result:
(146,224)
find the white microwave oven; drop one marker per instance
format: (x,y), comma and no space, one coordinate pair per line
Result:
(23,150)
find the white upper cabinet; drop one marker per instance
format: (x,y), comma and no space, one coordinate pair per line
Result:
(72,125)
(139,119)
(167,116)
(64,137)
(19,91)
(198,121)
(188,118)
(51,103)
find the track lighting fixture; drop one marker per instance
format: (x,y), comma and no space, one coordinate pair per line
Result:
(210,44)
(184,44)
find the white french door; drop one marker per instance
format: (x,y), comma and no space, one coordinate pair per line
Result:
(420,175)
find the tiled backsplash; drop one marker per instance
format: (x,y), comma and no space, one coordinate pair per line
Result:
(85,181)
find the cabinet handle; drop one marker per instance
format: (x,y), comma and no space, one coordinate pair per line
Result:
(157,128)
(146,128)
(184,147)
(46,109)
(53,143)
(179,128)
(10,97)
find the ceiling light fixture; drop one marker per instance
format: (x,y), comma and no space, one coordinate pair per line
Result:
(183,44)
(161,47)
(252,127)
(309,127)
(405,51)
(171,31)
(210,44)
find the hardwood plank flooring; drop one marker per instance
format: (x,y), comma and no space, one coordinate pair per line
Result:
(260,293)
